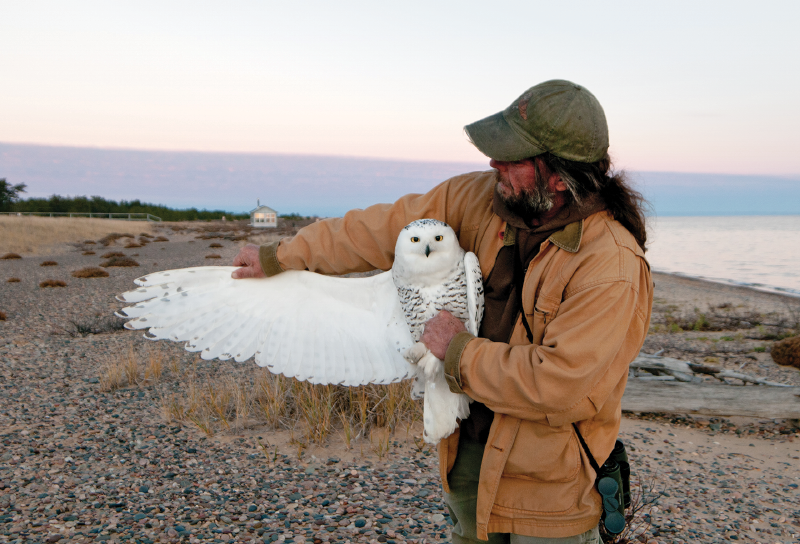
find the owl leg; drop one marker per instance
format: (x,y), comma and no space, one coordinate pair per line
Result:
(418,386)
(430,366)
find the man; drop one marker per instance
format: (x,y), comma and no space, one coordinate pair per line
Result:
(568,295)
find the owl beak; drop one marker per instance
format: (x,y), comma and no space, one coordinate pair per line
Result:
(427,250)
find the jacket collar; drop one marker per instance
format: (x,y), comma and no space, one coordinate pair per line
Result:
(569,238)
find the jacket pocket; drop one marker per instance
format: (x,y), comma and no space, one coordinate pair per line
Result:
(543,313)
(542,471)
(544,454)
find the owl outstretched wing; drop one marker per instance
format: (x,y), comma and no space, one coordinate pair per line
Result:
(315,328)
(472,269)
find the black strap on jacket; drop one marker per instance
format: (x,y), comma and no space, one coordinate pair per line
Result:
(594,464)
(519,280)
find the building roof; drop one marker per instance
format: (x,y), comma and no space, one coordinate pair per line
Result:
(266,209)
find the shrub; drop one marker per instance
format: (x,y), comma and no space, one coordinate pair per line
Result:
(112,254)
(213,256)
(114,236)
(3,316)
(787,352)
(131,245)
(94,325)
(88,252)
(161,239)
(49,263)
(145,235)
(89,242)
(119,261)
(215,244)
(14,280)
(53,283)
(90,272)
(11,256)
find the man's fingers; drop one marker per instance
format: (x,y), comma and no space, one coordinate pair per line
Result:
(244,272)
(247,256)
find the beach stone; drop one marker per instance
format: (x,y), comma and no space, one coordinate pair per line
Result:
(786,352)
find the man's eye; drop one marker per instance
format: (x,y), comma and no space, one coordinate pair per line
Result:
(439,238)
(415,239)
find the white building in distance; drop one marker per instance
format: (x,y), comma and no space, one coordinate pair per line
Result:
(263,216)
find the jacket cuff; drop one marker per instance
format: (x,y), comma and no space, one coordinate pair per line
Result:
(452,361)
(268,257)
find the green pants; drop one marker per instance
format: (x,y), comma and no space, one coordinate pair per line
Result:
(462,502)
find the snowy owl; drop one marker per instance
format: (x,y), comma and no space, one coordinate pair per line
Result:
(324,329)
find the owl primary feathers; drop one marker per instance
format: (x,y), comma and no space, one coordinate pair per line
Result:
(323,329)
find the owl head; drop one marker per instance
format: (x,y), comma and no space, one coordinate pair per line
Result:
(427,250)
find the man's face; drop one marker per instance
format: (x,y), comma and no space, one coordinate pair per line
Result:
(525,193)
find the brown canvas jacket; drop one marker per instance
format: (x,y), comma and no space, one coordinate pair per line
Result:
(587,298)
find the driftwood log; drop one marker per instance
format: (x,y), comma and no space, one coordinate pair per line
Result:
(666,385)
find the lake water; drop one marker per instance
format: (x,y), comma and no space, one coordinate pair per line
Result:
(757,251)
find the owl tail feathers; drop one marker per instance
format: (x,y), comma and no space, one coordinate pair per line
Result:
(441,408)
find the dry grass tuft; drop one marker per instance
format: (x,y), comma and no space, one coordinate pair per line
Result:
(14,280)
(119,261)
(160,239)
(11,256)
(90,272)
(213,256)
(230,402)
(89,242)
(112,254)
(49,263)
(3,316)
(215,244)
(88,253)
(53,283)
(28,235)
(145,235)
(131,245)
(133,369)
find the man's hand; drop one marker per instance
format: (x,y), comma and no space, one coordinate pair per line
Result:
(439,331)
(248,260)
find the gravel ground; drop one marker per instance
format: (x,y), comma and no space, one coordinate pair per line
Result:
(78,464)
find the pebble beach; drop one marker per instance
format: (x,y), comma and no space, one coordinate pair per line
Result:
(82,464)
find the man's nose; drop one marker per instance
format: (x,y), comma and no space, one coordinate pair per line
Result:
(499,165)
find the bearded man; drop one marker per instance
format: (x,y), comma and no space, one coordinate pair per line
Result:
(568,294)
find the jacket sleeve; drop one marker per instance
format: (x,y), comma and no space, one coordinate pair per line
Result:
(364,240)
(585,353)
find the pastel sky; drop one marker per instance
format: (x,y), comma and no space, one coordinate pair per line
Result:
(687,86)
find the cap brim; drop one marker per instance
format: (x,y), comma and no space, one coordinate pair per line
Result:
(495,138)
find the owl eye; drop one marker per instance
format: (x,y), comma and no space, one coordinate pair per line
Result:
(439,238)
(415,239)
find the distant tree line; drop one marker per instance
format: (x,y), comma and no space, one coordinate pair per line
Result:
(10,201)
(98,204)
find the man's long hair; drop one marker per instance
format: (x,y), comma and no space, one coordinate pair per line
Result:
(621,200)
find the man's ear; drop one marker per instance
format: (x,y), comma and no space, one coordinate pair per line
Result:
(557,183)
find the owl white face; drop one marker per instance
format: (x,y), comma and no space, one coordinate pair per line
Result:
(427,249)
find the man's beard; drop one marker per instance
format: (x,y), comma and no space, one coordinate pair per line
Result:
(528,204)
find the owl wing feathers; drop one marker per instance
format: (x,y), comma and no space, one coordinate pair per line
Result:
(472,269)
(321,329)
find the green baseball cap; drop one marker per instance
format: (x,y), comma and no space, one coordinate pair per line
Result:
(556,116)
